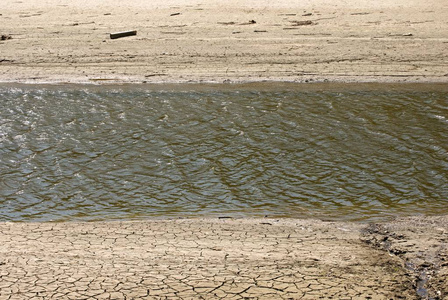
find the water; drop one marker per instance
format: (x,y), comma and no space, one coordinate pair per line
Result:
(340,152)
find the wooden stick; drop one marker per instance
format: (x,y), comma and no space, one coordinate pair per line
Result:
(122,34)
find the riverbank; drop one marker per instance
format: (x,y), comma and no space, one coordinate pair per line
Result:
(58,41)
(225,258)
(235,41)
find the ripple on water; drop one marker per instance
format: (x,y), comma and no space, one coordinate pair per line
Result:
(94,153)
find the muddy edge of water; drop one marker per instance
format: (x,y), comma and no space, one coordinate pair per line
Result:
(265,85)
(421,243)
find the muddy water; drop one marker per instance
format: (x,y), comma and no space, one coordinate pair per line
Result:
(347,152)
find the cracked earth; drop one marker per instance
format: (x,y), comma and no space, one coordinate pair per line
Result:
(224,259)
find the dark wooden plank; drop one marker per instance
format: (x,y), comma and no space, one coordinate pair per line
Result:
(117,35)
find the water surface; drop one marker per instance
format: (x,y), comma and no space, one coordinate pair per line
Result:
(345,152)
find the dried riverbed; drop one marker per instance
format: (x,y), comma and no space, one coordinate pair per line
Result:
(225,259)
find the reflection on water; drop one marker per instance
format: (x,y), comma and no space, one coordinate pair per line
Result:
(110,152)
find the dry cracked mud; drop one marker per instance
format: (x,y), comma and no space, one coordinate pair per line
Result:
(224,259)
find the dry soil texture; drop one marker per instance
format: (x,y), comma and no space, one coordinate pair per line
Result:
(225,259)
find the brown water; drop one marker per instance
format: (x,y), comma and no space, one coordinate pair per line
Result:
(346,152)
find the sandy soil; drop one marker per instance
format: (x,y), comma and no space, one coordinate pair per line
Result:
(225,259)
(216,41)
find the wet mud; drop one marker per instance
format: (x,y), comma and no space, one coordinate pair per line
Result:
(422,246)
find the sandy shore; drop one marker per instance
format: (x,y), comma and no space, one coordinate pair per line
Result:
(225,259)
(216,41)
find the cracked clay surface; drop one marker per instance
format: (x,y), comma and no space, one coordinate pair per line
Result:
(204,259)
